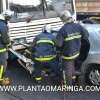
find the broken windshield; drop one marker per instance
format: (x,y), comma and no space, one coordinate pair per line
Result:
(38,9)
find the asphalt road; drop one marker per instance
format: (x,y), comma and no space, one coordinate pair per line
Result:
(21,77)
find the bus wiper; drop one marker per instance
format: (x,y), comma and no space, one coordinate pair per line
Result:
(44,6)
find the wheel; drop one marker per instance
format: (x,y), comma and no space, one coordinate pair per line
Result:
(92,75)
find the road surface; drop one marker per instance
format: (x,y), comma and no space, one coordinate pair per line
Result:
(21,77)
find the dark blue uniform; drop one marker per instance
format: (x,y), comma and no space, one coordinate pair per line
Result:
(44,53)
(44,46)
(4,41)
(69,40)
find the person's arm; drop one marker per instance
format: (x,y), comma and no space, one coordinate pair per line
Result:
(60,38)
(84,33)
(34,41)
(31,49)
(85,45)
(5,35)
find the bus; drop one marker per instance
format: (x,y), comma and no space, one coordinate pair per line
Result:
(41,13)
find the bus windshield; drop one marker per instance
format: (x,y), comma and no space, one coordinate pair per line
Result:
(38,9)
(64,5)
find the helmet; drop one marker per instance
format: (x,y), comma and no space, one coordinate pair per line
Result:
(66,16)
(7,14)
(47,28)
(2,17)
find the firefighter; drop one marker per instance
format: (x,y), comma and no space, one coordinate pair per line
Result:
(4,45)
(44,52)
(69,40)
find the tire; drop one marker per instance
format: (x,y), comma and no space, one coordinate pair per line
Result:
(91,76)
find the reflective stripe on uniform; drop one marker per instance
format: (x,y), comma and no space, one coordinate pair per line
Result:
(3,50)
(73,34)
(1,72)
(72,37)
(71,57)
(45,41)
(45,59)
(38,78)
